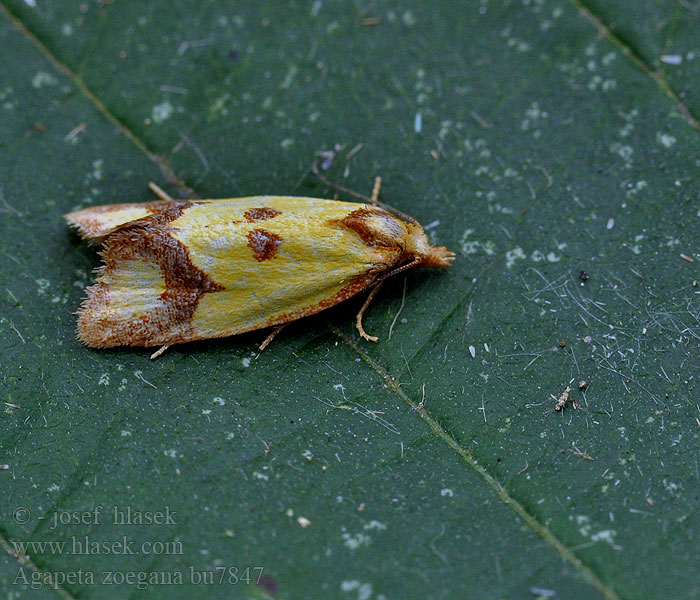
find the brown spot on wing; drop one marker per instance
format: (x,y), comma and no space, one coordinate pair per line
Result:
(261,213)
(263,243)
(148,240)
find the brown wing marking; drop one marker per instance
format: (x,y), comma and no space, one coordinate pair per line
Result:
(375,227)
(96,223)
(263,243)
(261,213)
(169,320)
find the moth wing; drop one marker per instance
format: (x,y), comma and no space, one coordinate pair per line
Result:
(223,267)
(97,222)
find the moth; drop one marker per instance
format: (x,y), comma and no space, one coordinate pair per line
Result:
(181,270)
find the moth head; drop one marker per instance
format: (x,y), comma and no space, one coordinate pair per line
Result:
(380,229)
(426,255)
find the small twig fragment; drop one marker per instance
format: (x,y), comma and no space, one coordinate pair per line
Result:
(418,407)
(560,403)
(581,454)
(73,132)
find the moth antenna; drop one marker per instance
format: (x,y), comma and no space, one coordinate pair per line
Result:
(159,191)
(340,188)
(399,213)
(412,265)
(374,201)
(358,320)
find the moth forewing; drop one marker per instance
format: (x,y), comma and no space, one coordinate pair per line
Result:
(176,271)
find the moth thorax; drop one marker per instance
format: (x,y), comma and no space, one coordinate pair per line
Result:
(379,228)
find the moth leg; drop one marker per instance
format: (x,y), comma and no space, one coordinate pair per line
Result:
(358,321)
(160,350)
(159,192)
(271,337)
(375,191)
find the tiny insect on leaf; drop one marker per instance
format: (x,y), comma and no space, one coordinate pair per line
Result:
(178,270)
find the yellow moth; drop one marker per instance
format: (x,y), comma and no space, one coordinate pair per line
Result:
(181,270)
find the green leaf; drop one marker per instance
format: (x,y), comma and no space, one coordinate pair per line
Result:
(539,140)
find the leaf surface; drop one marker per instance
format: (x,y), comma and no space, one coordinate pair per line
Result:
(548,143)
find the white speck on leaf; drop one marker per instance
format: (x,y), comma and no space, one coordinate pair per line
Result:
(418,122)
(43,78)
(43,284)
(364,590)
(356,541)
(672,59)
(672,488)
(408,18)
(606,535)
(665,139)
(513,255)
(622,150)
(97,168)
(161,112)
(289,77)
